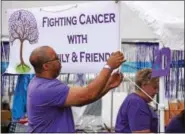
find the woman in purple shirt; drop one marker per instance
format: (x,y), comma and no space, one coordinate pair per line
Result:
(177,124)
(135,114)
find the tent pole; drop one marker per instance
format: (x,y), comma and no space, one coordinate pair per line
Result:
(161,96)
(161,102)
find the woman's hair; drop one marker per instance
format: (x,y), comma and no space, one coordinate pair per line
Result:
(144,76)
(181,117)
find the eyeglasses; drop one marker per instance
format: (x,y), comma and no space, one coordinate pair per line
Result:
(56,58)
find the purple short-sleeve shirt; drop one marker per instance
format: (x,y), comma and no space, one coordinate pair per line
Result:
(135,115)
(175,126)
(45,100)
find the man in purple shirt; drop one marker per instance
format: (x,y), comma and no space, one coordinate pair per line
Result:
(49,100)
(135,114)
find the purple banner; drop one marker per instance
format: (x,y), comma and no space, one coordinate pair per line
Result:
(157,69)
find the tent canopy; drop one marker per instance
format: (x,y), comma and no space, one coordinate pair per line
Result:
(165,19)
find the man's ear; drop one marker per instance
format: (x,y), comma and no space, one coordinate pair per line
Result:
(45,67)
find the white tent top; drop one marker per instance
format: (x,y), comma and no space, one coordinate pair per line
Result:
(141,20)
(165,18)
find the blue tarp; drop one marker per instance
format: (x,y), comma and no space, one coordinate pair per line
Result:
(4,66)
(20,96)
(133,67)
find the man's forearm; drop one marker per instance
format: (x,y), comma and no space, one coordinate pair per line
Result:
(104,91)
(99,95)
(98,86)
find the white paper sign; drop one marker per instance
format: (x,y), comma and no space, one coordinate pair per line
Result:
(82,35)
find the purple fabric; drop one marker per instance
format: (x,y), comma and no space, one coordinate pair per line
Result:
(5,50)
(135,115)
(45,102)
(175,126)
(174,82)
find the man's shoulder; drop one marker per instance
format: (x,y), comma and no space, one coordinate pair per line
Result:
(41,83)
(47,88)
(44,81)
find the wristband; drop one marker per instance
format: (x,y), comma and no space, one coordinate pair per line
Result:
(108,67)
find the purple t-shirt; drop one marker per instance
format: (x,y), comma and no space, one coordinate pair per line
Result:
(135,115)
(175,126)
(45,99)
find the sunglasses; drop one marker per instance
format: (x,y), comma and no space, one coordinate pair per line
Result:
(56,58)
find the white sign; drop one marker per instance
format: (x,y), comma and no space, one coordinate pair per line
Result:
(83,35)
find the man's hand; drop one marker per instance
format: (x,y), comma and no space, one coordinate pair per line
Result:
(115,80)
(115,60)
